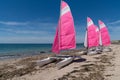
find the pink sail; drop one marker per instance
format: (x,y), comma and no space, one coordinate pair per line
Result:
(65,33)
(91,34)
(97,36)
(105,37)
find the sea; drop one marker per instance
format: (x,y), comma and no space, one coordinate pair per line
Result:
(8,51)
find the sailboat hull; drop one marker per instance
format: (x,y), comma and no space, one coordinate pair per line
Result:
(64,62)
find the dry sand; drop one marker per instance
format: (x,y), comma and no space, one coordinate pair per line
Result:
(113,72)
(103,66)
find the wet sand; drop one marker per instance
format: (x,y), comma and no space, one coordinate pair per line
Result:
(103,66)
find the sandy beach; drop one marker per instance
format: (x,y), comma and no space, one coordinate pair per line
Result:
(103,66)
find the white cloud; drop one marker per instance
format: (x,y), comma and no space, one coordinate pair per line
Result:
(30,32)
(26,39)
(10,30)
(115,22)
(34,29)
(29,25)
(114,29)
(114,26)
(26,31)
(12,23)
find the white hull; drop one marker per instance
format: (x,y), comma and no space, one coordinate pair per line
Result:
(106,49)
(64,62)
(92,51)
(45,61)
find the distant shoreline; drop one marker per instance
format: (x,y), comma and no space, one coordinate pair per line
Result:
(115,42)
(27,54)
(22,50)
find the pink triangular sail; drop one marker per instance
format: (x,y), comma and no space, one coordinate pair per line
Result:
(55,46)
(97,36)
(65,33)
(90,38)
(105,37)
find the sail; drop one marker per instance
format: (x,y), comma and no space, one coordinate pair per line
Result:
(55,46)
(91,33)
(105,37)
(65,33)
(97,36)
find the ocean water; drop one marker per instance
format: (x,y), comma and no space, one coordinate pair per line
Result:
(19,50)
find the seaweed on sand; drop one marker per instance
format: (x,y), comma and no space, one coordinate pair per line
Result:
(5,74)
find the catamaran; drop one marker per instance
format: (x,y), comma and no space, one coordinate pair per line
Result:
(104,36)
(64,38)
(98,47)
(65,34)
(91,37)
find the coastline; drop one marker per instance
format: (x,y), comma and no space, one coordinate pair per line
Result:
(9,51)
(94,67)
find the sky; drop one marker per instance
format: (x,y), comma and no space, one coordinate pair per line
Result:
(35,21)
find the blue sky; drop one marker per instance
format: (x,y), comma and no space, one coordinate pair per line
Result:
(35,21)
